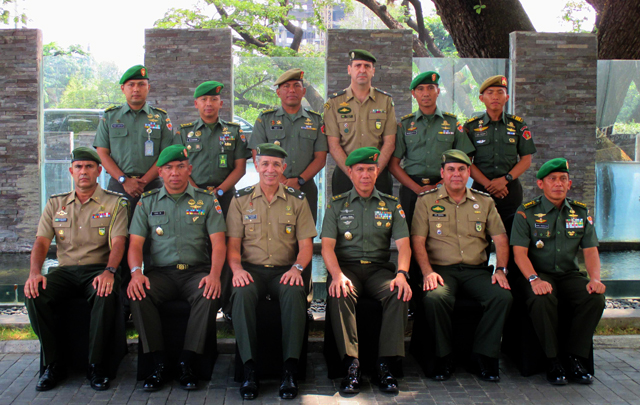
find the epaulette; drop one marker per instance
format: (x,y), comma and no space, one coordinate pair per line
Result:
(480,192)
(113,107)
(61,194)
(341,92)
(245,191)
(472,119)
(187,125)
(148,193)
(407,116)
(235,124)
(338,197)
(113,192)
(296,193)
(530,204)
(393,197)
(515,117)
(448,114)
(268,110)
(159,109)
(313,112)
(382,91)
(203,190)
(578,203)
(433,190)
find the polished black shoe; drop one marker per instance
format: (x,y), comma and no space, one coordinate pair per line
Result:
(489,370)
(97,377)
(288,386)
(187,380)
(555,373)
(351,383)
(156,380)
(385,381)
(578,373)
(443,369)
(249,387)
(53,374)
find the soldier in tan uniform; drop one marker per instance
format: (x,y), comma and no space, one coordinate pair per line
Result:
(449,237)
(90,227)
(360,116)
(271,231)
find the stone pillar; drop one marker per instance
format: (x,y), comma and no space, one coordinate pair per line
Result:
(179,60)
(394,52)
(21,110)
(554,90)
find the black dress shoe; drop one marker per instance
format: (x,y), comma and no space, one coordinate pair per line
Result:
(578,373)
(187,380)
(288,386)
(555,373)
(443,369)
(97,377)
(53,374)
(488,369)
(249,387)
(351,383)
(156,380)
(385,380)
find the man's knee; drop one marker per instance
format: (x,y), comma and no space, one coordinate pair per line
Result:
(438,297)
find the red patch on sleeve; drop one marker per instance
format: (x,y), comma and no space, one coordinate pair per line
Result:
(522,213)
(526,135)
(322,129)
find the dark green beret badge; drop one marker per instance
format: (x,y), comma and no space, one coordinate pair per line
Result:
(430,77)
(455,156)
(137,72)
(270,149)
(494,81)
(361,54)
(210,88)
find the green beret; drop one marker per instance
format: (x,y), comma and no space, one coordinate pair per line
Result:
(291,74)
(270,149)
(361,54)
(554,165)
(137,72)
(208,89)
(455,156)
(494,81)
(367,155)
(172,153)
(430,77)
(84,153)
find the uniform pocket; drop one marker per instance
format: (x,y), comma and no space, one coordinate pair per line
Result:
(477,225)
(439,226)
(377,123)
(251,224)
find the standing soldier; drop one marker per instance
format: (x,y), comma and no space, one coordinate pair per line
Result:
(130,138)
(270,242)
(359,116)
(90,227)
(217,148)
(547,234)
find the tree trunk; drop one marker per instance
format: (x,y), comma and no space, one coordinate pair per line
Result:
(618,29)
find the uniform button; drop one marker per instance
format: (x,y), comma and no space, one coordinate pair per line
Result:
(558,232)
(269,223)
(558,250)
(269,238)
(270,255)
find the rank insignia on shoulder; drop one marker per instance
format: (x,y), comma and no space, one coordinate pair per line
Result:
(472,119)
(187,125)
(337,197)
(245,191)
(433,190)
(450,114)
(268,110)
(530,204)
(159,109)
(341,92)
(313,112)
(578,203)
(382,91)
(327,106)
(113,107)
(480,192)
(407,116)
(515,117)
(148,193)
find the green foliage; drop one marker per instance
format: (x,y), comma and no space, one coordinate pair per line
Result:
(479,7)
(575,13)
(441,36)
(17,333)
(5,14)
(629,113)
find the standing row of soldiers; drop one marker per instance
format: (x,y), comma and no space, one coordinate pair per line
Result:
(178,226)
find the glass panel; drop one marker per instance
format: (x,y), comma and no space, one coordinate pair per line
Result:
(618,201)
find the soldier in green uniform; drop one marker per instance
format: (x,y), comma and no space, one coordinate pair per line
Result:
(90,227)
(449,238)
(271,235)
(500,140)
(130,138)
(299,132)
(547,233)
(185,229)
(358,116)
(217,148)
(356,236)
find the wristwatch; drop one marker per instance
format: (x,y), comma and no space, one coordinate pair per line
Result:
(133,270)
(504,270)
(220,192)
(122,179)
(111,270)
(301,181)
(404,273)
(509,177)
(533,278)
(298,266)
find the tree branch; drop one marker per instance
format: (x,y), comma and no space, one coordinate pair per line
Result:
(238,28)
(292,28)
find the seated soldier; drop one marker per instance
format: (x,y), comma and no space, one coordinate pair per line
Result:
(356,236)
(546,236)
(449,237)
(182,223)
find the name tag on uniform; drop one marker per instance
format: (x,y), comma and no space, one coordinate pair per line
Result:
(542,226)
(438,215)
(347,217)
(190,139)
(120,125)
(60,219)
(277,127)
(251,217)
(409,133)
(154,213)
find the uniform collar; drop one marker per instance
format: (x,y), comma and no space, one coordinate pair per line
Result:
(353,194)
(486,119)
(468,195)
(420,114)
(190,190)
(372,93)
(547,205)
(301,112)
(200,123)
(146,108)
(257,192)
(97,196)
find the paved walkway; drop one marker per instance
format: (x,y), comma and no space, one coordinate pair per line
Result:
(617,373)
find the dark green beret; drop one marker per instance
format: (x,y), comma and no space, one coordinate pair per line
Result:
(84,153)
(291,74)
(172,153)
(554,165)
(455,156)
(208,89)
(361,54)
(270,149)
(430,77)
(137,72)
(367,155)
(494,81)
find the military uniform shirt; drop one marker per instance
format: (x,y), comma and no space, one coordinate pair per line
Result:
(370,222)
(553,235)
(124,133)
(178,231)
(300,136)
(212,153)
(421,140)
(84,232)
(270,231)
(498,143)
(360,124)
(456,233)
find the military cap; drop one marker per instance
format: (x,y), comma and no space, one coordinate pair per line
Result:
(554,165)
(494,81)
(455,156)
(270,149)
(172,153)
(84,153)
(367,155)
(137,72)
(430,77)
(361,54)
(291,74)
(208,89)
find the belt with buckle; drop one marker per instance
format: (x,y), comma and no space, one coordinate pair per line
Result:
(182,266)
(365,262)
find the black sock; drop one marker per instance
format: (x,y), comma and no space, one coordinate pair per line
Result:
(348,360)
(250,365)
(291,365)
(186,357)
(158,357)
(386,360)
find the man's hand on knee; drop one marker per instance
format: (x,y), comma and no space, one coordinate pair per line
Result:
(404,291)
(103,283)
(136,287)
(241,278)
(431,281)
(31,285)
(292,277)
(340,284)
(212,286)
